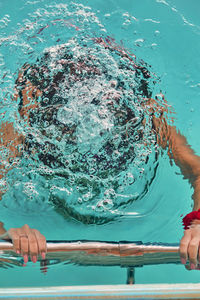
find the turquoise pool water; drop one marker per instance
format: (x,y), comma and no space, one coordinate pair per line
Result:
(165,34)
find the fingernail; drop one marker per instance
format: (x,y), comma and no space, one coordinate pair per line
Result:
(25,258)
(43,254)
(34,259)
(17,251)
(183,261)
(192,266)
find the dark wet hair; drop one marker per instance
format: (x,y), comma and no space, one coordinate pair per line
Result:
(40,76)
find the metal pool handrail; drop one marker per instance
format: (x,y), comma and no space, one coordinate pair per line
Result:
(124,254)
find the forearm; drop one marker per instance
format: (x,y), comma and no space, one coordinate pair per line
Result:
(168,137)
(196,194)
(183,155)
(10,142)
(185,158)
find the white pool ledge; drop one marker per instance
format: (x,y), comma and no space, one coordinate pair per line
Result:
(144,291)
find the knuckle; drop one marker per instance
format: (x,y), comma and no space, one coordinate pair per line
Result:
(12,231)
(193,245)
(15,239)
(42,247)
(33,247)
(34,251)
(41,239)
(31,237)
(183,253)
(24,249)
(32,243)
(183,244)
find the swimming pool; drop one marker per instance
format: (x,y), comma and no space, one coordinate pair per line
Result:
(165,35)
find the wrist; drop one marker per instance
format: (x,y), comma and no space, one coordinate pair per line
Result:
(191,218)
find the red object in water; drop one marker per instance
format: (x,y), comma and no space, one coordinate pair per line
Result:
(187,220)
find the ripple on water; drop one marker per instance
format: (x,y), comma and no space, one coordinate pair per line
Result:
(86,151)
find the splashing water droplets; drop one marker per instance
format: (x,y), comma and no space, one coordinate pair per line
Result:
(83,126)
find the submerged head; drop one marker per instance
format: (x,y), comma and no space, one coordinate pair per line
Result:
(85,118)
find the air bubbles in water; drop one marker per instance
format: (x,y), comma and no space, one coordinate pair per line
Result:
(82,122)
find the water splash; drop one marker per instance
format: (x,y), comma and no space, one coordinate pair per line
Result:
(86,150)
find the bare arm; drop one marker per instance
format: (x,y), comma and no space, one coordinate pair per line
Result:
(26,241)
(10,139)
(9,142)
(168,137)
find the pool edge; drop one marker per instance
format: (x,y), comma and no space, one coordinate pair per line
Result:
(144,291)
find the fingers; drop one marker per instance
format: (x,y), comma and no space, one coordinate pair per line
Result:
(28,242)
(193,252)
(189,248)
(41,241)
(20,242)
(24,248)
(33,246)
(183,250)
(13,233)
